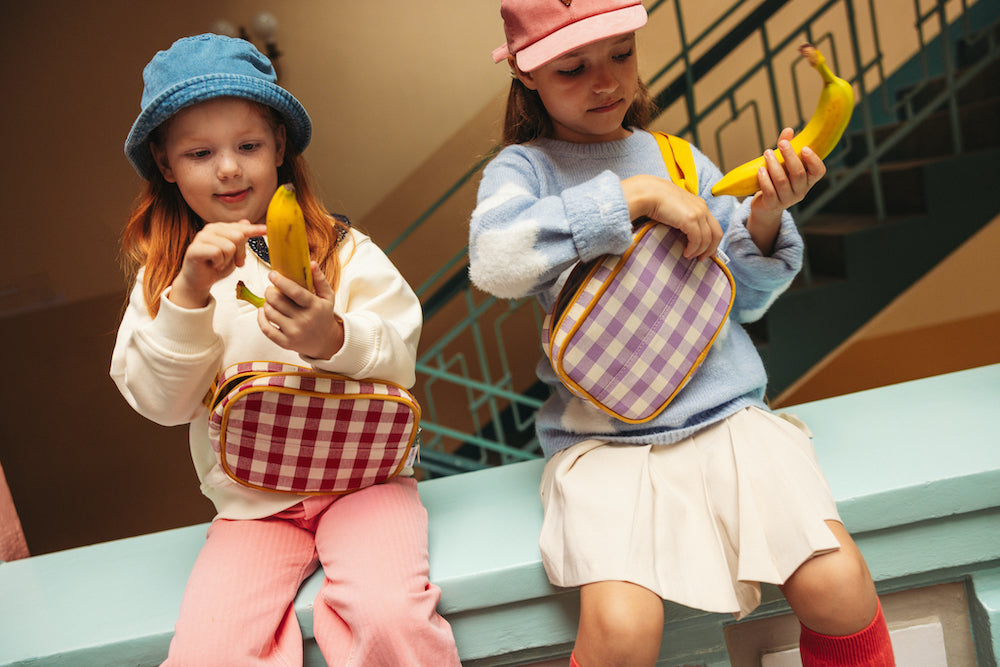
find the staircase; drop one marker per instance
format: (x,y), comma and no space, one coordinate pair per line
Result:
(932,199)
(915,176)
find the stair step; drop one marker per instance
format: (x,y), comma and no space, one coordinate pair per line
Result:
(969,51)
(875,261)
(825,240)
(902,190)
(984,86)
(933,137)
(933,201)
(827,224)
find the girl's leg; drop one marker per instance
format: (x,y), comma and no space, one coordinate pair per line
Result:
(834,598)
(238,604)
(620,624)
(377,606)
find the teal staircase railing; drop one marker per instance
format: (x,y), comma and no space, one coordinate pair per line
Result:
(476,378)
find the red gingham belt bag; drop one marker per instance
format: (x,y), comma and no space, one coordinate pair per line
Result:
(627,332)
(285,428)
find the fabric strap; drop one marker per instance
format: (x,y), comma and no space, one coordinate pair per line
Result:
(679,158)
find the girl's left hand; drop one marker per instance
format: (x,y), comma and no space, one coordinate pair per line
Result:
(296,319)
(784,185)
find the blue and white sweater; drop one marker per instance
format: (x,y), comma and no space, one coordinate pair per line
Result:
(544,206)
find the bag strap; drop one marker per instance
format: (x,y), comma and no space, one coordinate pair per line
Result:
(679,159)
(209,398)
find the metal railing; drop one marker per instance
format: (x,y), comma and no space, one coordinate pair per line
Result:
(476,379)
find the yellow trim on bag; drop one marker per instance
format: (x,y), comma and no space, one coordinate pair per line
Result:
(221,392)
(557,363)
(678,157)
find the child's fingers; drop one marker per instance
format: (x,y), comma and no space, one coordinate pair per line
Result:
(237,232)
(676,207)
(716,230)
(296,319)
(271,330)
(797,177)
(214,251)
(702,230)
(703,235)
(320,283)
(231,238)
(696,233)
(290,289)
(764,183)
(712,237)
(243,231)
(814,166)
(776,171)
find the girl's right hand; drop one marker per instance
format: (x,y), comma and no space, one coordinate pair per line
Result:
(216,250)
(660,200)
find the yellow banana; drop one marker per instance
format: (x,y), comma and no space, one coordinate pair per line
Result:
(821,133)
(287,244)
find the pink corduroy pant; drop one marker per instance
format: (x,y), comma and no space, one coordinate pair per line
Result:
(376,605)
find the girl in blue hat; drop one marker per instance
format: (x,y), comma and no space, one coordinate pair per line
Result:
(213,140)
(716,493)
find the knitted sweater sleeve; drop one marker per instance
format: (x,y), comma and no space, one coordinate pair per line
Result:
(536,216)
(759,279)
(528,226)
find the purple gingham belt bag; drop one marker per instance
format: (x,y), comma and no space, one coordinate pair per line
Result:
(281,427)
(627,332)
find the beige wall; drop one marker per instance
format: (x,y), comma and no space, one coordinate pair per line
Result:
(387,84)
(385,87)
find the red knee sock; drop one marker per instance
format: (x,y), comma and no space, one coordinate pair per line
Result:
(868,648)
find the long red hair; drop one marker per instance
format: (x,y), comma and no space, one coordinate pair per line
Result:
(162,225)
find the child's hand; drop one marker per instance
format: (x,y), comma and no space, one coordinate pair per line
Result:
(661,200)
(296,319)
(215,251)
(781,186)
(784,185)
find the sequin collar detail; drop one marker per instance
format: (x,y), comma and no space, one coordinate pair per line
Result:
(258,244)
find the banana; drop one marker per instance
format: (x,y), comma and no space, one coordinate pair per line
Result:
(287,244)
(821,133)
(243,292)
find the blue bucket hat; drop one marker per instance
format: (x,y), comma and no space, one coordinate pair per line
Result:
(202,67)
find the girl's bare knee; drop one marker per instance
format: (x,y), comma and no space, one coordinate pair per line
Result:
(620,624)
(833,593)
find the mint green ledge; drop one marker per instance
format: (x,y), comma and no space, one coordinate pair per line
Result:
(915,468)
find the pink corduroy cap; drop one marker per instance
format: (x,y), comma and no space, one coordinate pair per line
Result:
(539,31)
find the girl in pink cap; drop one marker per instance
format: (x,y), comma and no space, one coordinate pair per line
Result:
(716,493)
(214,138)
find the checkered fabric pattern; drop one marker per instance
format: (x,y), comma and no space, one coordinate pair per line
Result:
(638,325)
(280,427)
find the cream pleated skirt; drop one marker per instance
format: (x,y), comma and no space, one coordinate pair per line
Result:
(700,522)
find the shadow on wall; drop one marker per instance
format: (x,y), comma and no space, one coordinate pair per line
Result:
(82,466)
